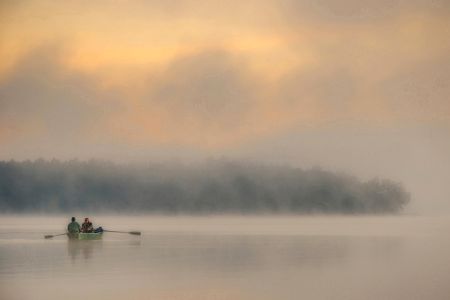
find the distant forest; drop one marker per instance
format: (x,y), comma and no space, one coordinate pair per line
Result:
(210,187)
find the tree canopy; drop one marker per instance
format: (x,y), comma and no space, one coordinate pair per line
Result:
(210,187)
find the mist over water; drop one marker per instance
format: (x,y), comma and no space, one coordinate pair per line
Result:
(228,257)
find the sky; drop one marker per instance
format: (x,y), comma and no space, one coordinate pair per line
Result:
(352,86)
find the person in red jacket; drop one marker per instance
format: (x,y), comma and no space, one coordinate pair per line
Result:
(87,226)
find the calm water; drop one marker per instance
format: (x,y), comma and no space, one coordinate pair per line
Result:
(401,257)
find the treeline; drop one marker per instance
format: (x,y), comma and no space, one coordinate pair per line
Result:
(212,187)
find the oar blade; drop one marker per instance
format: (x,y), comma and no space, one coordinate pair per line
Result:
(49,236)
(129,232)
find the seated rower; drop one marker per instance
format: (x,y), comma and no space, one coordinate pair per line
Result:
(87,227)
(73,227)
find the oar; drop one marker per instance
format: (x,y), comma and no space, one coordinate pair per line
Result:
(50,236)
(129,232)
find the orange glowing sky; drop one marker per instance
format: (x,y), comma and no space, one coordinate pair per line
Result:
(209,74)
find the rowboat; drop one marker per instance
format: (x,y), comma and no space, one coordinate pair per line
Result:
(89,236)
(85,236)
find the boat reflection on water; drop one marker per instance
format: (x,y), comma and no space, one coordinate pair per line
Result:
(134,243)
(83,248)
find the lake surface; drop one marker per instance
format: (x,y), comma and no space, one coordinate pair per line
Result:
(225,257)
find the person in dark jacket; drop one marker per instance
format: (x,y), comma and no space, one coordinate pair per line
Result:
(87,226)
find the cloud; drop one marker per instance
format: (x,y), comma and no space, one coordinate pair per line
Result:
(319,94)
(356,12)
(217,88)
(419,92)
(48,102)
(209,98)
(213,88)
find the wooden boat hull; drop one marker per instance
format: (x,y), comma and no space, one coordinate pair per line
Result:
(85,236)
